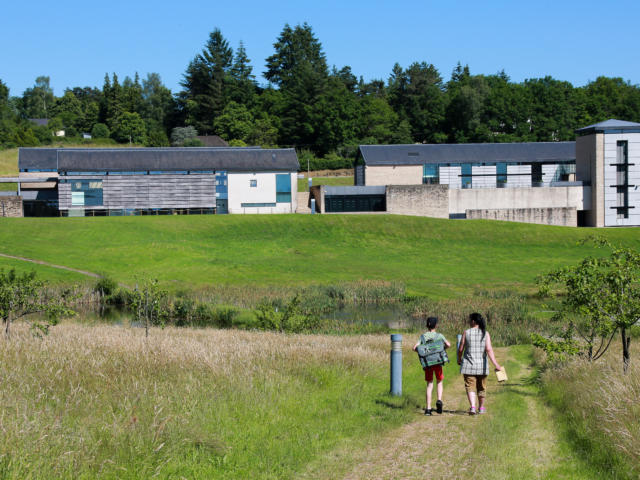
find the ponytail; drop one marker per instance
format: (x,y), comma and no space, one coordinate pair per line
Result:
(479,320)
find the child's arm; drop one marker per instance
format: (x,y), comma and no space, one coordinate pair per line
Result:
(415,347)
(461,350)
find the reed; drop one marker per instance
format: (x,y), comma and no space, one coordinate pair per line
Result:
(103,401)
(598,405)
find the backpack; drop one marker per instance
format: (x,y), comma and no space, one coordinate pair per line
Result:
(432,353)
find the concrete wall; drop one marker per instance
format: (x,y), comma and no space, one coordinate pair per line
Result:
(461,200)
(11,206)
(546,216)
(393,175)
(610,178)
(589,168)
(422,200)
(241,191)
(317,193)
(41,185)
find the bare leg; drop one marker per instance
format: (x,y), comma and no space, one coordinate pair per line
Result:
(440,387)
(481,401)
(429,394)
(472,399)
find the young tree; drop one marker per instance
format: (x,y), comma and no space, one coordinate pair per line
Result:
(150,304)
(603,293)
(22,295)
(129,127)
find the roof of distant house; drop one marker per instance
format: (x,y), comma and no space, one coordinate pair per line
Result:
(420,154)
(41,122)
(610,126)
(157,159)
(212,141)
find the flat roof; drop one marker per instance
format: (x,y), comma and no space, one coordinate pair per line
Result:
(420,154)
(610,126)
(158,159)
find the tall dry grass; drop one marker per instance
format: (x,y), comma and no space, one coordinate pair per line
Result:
(600,406)
(104,401)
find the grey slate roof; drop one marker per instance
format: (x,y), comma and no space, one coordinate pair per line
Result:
(612,125)
(160,159)
(38,158)
(420,154)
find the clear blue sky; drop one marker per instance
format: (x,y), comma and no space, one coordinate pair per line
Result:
(76,42)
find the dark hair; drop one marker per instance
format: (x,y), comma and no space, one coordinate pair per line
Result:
(479,320)
(432,322)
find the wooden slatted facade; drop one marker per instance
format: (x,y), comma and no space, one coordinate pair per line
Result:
(146,191)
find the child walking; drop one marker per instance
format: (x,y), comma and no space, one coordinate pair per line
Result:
(432,336)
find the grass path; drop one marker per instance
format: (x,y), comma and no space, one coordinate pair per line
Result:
(517,438)
(52,265)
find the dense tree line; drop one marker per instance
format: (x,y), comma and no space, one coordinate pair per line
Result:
(306,104)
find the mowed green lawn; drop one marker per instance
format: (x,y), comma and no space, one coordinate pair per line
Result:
(435,257)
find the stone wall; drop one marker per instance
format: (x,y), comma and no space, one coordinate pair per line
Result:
(11,206)
(565,216)
(421,200)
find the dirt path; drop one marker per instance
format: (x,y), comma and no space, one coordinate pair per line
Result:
(517,438)
(61,267)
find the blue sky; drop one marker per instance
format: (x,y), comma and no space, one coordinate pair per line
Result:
(76,42)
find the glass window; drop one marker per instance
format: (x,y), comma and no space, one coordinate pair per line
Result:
(430,174)
(86,193)
(501,173)
(283,188)
(466,175)
(253,183)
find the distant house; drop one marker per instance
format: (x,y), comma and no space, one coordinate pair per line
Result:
(212,141)
(86,136)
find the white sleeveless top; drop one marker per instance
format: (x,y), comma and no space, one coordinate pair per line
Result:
(474,360)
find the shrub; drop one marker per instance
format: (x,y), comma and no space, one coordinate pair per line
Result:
(100,130)
(106,286)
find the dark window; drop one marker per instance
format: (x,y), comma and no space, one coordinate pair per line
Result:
(536,173)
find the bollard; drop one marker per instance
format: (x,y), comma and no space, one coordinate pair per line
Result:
(313,205)
(310,182)
(396,364)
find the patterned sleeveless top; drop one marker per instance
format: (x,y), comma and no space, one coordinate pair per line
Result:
(474,360)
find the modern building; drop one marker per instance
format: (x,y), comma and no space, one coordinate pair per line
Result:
(156,181)
(593,181)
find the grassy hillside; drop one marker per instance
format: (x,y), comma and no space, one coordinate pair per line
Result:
(439,258)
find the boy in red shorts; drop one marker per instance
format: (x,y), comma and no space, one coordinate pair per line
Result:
(431,334)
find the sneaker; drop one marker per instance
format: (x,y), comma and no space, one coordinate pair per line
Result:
(427,411)
(439,406)
(482,410)
(472,410)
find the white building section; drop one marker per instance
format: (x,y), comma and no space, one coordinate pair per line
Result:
(262,192)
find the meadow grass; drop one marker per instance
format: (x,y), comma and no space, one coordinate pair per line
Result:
(597,404)
(103,401)
(303,183)
(432,257)
(9,162)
